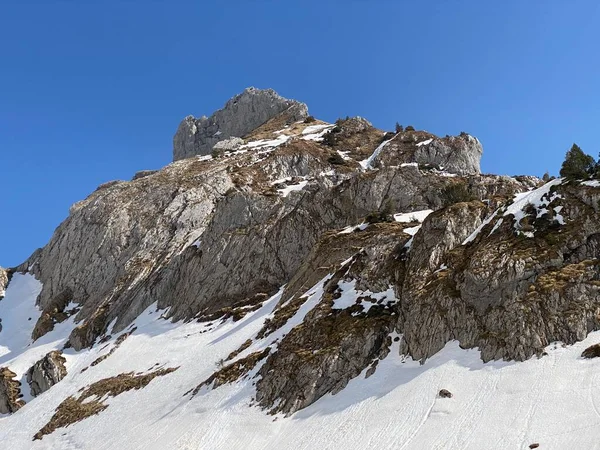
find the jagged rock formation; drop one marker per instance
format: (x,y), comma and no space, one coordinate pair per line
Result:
(455,154)
(240,115)
(10,392)
(46,373)
(3,282)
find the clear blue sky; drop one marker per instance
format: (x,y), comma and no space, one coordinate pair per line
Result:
(93,91)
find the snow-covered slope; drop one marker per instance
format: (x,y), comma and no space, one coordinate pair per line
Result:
(553,401)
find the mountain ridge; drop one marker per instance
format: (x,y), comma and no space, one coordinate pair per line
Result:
(340,247)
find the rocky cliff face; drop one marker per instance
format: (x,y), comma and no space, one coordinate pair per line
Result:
(10,392)
(456,154)
(377,237)
(3,282)
(240,115)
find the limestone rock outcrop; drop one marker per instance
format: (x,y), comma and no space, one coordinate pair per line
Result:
(240,115)
(455,154)
(3,282)
(46,373)
(10,392)
(228,145)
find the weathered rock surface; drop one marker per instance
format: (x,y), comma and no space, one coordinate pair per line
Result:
(46,373)
(593,351)
(240,115)
(228,145)
(3,282)
(143,173)
(334,345)
(10,392)
(455,154)
(508,293)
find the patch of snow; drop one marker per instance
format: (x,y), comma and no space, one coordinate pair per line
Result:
(442,267)
(496,226)
(444,174)
(316,132)
(344,155)
(412,230)
(19,313)
(367,163)
(427,142)
(415,216)
(538,198)
(350,296)
(413,164)
(292,188)
(262,143)
(316,128)
(475,233)
(592,183)
(352,228)
(204,157)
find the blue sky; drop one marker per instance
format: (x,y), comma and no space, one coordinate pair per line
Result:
(93,91)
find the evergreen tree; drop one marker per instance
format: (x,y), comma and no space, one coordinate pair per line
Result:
(577,165)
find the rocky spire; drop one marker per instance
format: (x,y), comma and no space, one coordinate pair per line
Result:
(241,114)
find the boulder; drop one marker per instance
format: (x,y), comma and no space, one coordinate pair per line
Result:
(240,115)
(593,351)
(228,145)
(444,393)
(46,373)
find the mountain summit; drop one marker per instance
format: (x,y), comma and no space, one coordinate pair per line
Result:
(292,283)
(241,114)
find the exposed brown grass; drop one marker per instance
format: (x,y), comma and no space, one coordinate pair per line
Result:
(241,348)
(118,343)
(238,310)
(281,316)
(73,410)
(234,371)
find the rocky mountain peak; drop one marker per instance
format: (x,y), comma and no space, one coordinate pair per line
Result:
(241,115)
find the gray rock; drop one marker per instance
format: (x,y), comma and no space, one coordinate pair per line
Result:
(3,282)
(10,392)
(455,154)
(240,115)
(445,393)
(143,174)
(46,373)
(228,145)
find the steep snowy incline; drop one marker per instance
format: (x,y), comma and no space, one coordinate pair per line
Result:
(495,405)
